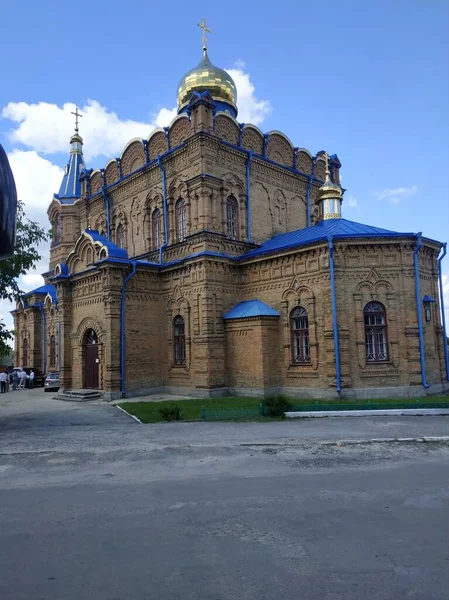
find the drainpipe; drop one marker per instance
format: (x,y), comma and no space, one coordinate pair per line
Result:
(164,193)
(248,196)
(44,340)
(122,329)
(418,310)
(443,316)
(334,314)
(59,345)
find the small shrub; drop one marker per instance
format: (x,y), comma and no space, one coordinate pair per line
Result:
(275,405)
(170,413)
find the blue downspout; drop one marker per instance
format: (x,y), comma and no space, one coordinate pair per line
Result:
(108,216)
(122,329)
(443,316)
(164,193)
(418,310)
(248,195)
(59,345)
(44,340)
(334,314)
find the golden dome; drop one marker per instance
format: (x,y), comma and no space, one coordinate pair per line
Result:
(206,76)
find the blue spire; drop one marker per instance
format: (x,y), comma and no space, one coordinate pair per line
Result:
(70,189)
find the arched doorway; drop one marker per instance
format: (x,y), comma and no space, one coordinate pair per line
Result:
(25,353)
(91,361)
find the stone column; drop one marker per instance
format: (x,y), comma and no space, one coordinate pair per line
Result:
(64,294)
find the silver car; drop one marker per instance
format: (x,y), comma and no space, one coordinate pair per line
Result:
(52,381)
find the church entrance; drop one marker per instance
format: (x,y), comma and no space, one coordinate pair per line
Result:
(91,361)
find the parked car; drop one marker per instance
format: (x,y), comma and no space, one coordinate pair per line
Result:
(52,381)
(39,377)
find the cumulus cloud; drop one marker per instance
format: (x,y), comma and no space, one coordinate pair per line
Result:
(251,109)
(396,195)
(45,127)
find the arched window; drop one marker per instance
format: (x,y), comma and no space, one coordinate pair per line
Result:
(156,228)
(299,328)
(25,352)
(181,227)
(57,232)
(120,236)
(179,341)
(52,351)
(376,342)
(232,217)
(91,337)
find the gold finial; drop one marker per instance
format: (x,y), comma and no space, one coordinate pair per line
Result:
(204,28)
(77,114)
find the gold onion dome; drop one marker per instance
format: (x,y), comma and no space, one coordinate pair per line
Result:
(330,197)
(206,76)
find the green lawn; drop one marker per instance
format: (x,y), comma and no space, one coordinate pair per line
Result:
(148,412)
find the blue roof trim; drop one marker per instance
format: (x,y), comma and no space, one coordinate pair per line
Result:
(427,298)
(196,255)
(337,228)
(250,308)
(114,251)
(44,289)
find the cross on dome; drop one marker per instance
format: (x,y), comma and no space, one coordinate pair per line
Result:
(77,114)
(205,29)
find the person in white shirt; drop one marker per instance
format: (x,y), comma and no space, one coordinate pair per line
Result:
(23,378)
(3,381)
(31,379)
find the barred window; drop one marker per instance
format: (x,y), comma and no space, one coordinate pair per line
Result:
(299,328)
(232,217)
(120,236)
(376,342)
(52,351)
(181,227)
(179,339)
(156,228)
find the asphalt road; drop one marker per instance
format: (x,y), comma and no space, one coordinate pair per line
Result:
(94,505)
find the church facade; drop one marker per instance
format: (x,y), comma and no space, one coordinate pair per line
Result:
(213,259)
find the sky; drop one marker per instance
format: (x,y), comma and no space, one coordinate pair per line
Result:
(365,80)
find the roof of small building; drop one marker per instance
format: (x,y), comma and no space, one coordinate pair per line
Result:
(336,228)
(44,289)
(250,308)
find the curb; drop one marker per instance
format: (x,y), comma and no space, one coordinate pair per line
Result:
(417,412)
(129,415)
(426,439)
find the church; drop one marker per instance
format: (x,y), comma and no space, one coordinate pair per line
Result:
(212,259)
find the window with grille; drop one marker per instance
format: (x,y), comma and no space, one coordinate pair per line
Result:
(120,236)
(299,327)
(181,227)
(52,351)
(156,228)
(232,217)
(179,339)
(376,342)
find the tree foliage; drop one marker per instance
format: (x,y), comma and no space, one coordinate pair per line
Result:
(28,237)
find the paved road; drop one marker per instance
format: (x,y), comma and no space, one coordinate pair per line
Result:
(94,505)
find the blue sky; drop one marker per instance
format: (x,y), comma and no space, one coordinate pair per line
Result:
(365,80)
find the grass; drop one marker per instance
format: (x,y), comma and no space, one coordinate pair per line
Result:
(148,412)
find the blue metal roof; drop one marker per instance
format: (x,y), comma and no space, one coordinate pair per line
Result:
(250,308)
(44,289)
(337,228)
(114,251)
(71,185)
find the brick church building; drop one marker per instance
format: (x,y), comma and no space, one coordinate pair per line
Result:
(213,259)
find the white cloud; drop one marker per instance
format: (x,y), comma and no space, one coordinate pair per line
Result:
(46,127)
(351,202)
(396,195)
(251,109)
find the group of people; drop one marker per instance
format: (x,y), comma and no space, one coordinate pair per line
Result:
(15,380)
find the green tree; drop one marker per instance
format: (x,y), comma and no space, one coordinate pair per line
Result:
(28,237)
